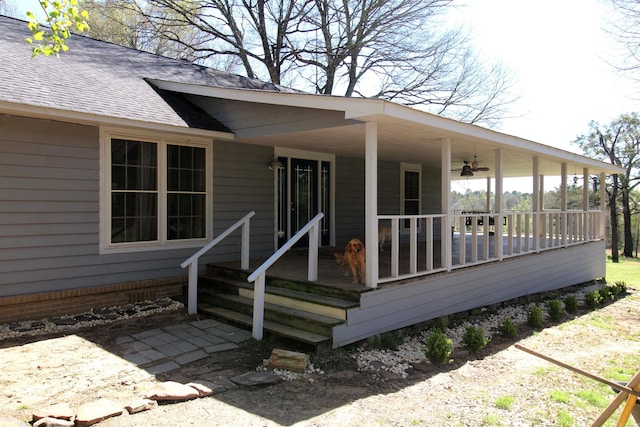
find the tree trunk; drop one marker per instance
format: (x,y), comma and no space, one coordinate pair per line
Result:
(613,197)
(628,232)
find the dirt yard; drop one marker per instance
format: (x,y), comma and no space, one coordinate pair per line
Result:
(501,386)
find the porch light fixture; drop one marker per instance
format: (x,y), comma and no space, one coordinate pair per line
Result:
(466,170)
(275,163)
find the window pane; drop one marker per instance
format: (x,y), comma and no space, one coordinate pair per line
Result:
(186,216)
(411,185)
(134,217)
(411,207)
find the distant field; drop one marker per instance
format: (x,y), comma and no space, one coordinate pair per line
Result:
(627,270)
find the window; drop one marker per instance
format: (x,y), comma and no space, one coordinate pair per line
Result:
(156,193)
(410,192)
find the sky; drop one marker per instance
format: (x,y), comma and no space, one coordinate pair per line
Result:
(557,51)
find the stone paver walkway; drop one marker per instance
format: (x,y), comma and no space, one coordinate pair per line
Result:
(163,349)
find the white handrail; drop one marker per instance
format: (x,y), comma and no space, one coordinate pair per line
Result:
(192,261)
(259,275)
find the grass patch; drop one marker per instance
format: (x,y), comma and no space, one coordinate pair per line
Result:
(505,402)
(560,396)
(595,398)
(564,419)
(627,270)
(492,420)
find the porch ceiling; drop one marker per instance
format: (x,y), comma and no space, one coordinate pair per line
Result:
(410,142)
(336,125)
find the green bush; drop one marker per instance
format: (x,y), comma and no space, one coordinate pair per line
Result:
(554,307)
(438,347)
(535,318)
(508,329)
(606,293)
(571,304)
(593,299)
(388,341)
(620,287)
(474,339)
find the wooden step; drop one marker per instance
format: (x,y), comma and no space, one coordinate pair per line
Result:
(269,326)
(318,304)
(289,316)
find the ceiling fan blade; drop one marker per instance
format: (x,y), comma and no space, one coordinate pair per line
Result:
(481,169)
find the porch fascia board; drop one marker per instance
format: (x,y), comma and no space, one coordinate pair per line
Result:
(48,113)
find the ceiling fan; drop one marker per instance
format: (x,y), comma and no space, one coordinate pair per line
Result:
(469,169)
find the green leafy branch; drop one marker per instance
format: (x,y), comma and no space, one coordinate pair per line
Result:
(62,16)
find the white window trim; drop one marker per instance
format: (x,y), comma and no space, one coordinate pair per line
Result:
(106,134)
(410,167)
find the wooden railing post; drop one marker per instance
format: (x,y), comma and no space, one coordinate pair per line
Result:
(312,266)
(192,292)
(258,306)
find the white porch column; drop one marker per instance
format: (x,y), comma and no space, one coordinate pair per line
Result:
(446,235)
(499,242)
(488,206)
(585,205)
(536,204)
(371,202)
(603,205)
(563,202)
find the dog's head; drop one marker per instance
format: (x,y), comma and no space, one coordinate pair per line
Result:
(354,246)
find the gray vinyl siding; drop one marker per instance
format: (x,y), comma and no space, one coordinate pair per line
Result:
(396,307)
(349,199)
(243,183)
(49,209)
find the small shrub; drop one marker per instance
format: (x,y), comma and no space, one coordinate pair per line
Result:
(438,347)
(388,341)
(474,339)
(593,299)
(620,287)
(508,329)
(535,318)
(554,307)
(606,293)
(571,304)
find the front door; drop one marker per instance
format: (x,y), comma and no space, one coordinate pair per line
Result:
(303,192)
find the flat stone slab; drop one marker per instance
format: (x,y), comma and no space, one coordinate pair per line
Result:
(141,405)
(61,411)
(94,412)
(172,391)
(256,378)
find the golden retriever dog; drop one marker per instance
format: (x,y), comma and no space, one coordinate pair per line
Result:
(384,234)
(353,260)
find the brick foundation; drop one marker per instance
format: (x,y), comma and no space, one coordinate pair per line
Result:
(74,301)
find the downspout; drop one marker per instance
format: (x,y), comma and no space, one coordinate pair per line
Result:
(371,202)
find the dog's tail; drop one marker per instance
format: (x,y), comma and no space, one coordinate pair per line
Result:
(339,258)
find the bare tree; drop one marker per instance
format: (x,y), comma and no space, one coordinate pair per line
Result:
(398,50)
(625,28)
(619,143)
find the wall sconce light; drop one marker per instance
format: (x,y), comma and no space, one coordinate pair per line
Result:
(275,163)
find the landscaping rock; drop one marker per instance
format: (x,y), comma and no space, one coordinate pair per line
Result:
(204,388)
(172,391)
(141,405)
(53,422)
(289,360)
(94,412)
(256,378)
(60,411)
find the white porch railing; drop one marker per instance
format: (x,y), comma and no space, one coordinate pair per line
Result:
(479,237)
(192,261)
(259,275)
(427,253)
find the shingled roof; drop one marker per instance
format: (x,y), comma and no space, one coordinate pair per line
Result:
(105,79)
